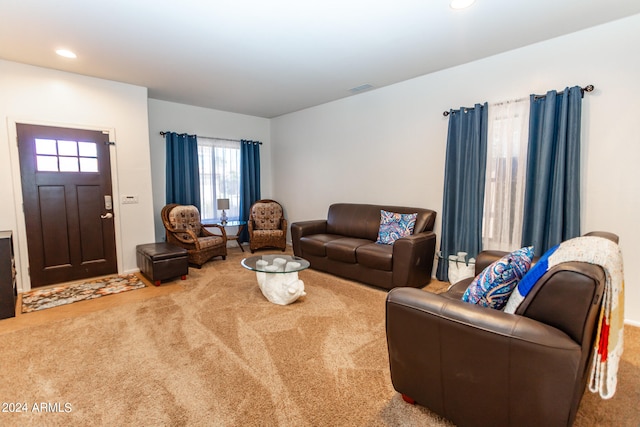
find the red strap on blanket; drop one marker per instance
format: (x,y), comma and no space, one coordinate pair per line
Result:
(603,345)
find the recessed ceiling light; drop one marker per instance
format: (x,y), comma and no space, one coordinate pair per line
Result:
(66,53)
(461,4)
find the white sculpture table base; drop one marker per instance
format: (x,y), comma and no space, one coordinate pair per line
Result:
(279,282)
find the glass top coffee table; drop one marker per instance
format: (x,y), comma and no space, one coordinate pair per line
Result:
(239,224)
(277,276)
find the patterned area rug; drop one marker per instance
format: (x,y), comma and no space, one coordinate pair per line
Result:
(40,299)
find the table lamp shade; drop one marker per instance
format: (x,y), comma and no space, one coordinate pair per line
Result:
(223,204)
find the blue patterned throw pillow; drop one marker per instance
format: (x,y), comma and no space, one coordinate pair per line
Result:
(394,226)
(493,286)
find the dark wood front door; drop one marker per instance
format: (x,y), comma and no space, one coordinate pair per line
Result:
(66,188)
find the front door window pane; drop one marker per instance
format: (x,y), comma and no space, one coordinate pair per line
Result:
(88,164)
(47,163)
(67,148)
(46,146)
(68,164)
(87,149)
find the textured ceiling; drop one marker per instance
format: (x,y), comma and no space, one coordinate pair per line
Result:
(268,58)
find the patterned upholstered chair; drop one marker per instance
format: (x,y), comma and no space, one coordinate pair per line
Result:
(184,229)
(267,226)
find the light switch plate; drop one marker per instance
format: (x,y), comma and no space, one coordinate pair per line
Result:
(128,200)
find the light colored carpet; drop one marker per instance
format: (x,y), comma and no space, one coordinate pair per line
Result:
(219,354)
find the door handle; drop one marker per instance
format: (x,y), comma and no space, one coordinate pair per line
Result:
(107,215)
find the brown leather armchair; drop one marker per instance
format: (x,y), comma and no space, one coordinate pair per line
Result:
(267,226)
(184,229)
(483,367)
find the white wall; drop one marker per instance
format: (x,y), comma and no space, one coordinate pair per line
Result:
(169,116)
(43,96)
(388,145)
(383,146)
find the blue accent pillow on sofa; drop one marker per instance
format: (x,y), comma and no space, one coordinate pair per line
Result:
(493,286)
(394,226)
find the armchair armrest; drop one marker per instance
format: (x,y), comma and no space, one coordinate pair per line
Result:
(478,361)
(423,303)
(206,232)
(177,234)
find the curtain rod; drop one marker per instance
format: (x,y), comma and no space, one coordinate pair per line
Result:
(587,88)
(213,137)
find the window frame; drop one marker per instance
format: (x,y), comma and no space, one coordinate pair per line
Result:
(219,158)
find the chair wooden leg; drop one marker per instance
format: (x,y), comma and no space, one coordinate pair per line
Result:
(408,399)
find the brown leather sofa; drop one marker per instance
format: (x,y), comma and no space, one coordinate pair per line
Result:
(344,245)
(478,366)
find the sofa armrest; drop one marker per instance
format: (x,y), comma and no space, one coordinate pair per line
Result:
(305,228)
(476,365)
(413,259)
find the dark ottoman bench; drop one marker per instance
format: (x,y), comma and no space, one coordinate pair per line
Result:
(162,261)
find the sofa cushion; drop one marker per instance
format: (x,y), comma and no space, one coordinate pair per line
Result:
(354,220)
(378,257)
(314,244)
(493,286)
(265,234)
(210,241)
(395,225)
(344,249)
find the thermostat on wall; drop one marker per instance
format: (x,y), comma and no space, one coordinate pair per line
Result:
(126,200)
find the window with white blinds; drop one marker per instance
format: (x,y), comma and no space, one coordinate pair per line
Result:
(219,165)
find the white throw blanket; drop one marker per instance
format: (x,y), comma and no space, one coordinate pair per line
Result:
(609,339)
